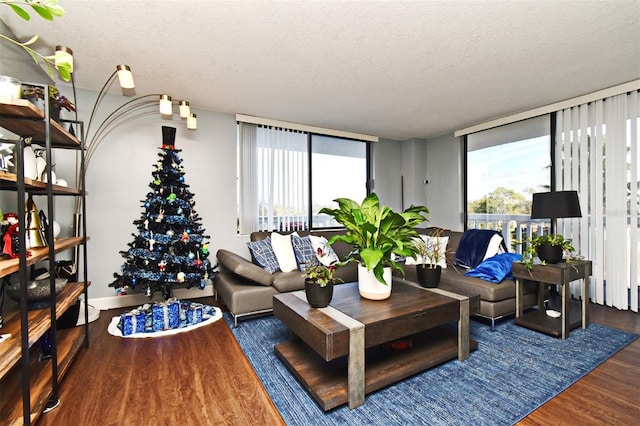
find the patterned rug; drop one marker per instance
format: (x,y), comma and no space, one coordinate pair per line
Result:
(513,372)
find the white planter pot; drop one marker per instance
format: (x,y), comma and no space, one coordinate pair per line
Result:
(369,286)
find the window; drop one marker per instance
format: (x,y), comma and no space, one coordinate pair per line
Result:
(339,169)
(505,166)
(286,176)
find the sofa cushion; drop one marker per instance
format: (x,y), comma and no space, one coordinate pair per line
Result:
(325,253)
(496,268)
(304,252)
(454,280)
(243,268)
(283,250)
(263,254)
(288,281)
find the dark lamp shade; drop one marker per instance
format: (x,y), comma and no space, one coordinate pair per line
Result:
(552,205)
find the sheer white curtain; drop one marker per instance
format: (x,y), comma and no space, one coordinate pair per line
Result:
(597,154)
(273,179)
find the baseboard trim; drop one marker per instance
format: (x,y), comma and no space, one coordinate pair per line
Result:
(137,299)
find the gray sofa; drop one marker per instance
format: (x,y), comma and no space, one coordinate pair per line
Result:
(496,300)
(247,289)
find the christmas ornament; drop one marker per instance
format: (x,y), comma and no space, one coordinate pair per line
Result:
(180,277)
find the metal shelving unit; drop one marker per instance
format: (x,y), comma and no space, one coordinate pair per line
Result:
(20,366)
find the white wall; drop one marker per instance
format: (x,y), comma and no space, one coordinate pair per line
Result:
(414,155)
(387,172)
(444,190)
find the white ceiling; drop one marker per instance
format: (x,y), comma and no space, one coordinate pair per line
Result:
(394,69)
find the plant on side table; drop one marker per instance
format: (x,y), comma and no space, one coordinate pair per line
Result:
(318,283)
(548,248)
(376,233)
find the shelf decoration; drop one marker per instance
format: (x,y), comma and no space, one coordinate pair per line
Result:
(170,249)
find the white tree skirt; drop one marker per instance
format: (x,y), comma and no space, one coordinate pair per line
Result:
(115,331)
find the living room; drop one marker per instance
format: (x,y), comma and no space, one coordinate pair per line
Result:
(417,141)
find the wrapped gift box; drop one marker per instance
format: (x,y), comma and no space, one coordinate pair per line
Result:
(166,315)
(170,314)
(132,322)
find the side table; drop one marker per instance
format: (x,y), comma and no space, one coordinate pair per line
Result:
(573,312)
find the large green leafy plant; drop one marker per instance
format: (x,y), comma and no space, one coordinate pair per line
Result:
(376,232)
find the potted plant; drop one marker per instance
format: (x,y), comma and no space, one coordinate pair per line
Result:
(376,233)
(318,283)
(57,101)
(548,248)
(431,254)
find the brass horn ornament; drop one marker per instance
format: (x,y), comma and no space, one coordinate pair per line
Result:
(34,233)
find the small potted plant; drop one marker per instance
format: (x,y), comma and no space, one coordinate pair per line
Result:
(431,254)
(548,248)
(57,101)
(318,283)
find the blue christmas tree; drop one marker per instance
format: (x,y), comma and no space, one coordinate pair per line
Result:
(170,249)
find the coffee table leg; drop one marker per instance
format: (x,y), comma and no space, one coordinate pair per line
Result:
(356,367)
(463,330)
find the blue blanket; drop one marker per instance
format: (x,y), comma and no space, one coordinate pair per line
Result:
(496,268)
(473,246)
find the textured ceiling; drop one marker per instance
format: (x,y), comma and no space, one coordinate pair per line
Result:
(395,69)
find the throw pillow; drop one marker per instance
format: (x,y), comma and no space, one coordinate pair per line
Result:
(324,252)
(284,252)
(494,247)
(263,255)
(496,268)
(432,242)
(304,252)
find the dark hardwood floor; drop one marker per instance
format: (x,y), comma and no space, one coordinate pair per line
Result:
(202,377)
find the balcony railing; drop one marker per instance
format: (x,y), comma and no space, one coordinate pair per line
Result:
(513,227)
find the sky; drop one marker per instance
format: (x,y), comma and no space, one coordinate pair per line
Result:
(516,165)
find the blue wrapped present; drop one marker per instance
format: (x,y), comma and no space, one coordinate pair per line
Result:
(173,313)
(132,322)
(166,315)
(194,314)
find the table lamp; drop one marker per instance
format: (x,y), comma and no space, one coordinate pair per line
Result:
(554,205)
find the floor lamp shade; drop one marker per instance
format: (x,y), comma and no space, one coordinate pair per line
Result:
(553,205)
(64,55)
(166,106)
(185,110)
(125,78)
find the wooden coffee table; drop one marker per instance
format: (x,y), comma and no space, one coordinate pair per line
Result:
(329,345)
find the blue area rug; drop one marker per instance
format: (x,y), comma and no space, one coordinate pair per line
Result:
(513,372)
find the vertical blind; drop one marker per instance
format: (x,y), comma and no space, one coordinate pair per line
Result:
(597,154)
(273,178)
